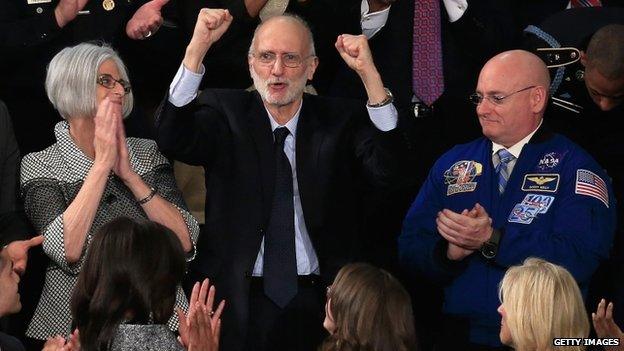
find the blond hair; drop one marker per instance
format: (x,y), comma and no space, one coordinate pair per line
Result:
(542,302)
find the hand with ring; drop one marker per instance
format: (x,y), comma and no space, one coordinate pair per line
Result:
(200,329)
(146,20)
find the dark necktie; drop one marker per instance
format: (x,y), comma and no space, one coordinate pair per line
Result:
(502,169)
(280,264)
(427,74)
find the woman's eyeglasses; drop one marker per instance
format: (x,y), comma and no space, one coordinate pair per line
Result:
(108,82)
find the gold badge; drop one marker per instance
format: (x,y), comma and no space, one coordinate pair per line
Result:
(108,5)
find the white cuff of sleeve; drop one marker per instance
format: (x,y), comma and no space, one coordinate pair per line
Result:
(455,8)
(183,88)
(385,118)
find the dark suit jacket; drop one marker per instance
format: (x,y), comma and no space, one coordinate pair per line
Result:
(10,343)
(535,11)
(229,133)
(467,43)
(13,225)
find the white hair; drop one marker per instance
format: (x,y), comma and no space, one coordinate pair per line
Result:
(72,75)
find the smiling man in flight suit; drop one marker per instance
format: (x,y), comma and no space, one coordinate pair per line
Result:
(519,191)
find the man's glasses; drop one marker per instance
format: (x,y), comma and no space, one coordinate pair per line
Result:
(291,60)
(108,82)
(477,98)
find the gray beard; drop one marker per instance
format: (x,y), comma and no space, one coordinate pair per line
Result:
(295,89)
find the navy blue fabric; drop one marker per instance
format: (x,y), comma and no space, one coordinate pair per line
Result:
(576,231)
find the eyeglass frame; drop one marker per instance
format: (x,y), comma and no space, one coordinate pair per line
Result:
(124,84)
(274,60)
(477,98)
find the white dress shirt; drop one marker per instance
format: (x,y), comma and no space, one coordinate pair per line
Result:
(515,150)
(183,90)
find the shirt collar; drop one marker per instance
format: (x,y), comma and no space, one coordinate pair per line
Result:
(516,148)
(291,125)
(372,22)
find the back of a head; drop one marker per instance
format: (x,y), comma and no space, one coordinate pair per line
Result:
(542,301)
(131,273)
(371,311)
(605,51)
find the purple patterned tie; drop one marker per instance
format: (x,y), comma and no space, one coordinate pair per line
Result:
(585,3)
(427,74)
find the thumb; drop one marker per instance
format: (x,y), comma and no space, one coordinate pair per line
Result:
(35,241)
(159,3)
(228,16)
(480,210)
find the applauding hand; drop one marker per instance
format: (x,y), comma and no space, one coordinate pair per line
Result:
(201,327)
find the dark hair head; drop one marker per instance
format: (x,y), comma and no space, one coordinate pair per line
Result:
(131,273)
(371,311)
(605,51)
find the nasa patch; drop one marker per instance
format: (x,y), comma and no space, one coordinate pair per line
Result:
(549,161)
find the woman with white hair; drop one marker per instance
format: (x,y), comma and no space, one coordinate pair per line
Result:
(541,301)
(91,175)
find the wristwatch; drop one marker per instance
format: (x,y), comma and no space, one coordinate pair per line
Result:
(489,249)
(389,98)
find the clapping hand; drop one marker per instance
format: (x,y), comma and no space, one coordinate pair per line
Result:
(605,326)
(67,10)
(58,343)
(123,168)
(201,327)
(105,141)
(146,20)
(469,229)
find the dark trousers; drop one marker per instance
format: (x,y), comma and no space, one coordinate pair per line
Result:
(297,327)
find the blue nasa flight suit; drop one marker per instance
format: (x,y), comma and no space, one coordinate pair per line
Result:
(539,215)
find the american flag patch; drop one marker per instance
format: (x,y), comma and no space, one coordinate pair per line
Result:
(590,184)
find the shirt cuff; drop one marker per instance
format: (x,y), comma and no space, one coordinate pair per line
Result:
(184,87)
(455,8)
(385,118)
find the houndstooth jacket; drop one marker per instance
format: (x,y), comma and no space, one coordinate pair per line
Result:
(50,180)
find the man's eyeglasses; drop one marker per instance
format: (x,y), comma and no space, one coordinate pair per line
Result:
(477,98)
(108,82)
(328,293)
(291,60)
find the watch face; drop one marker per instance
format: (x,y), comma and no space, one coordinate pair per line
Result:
(488,250)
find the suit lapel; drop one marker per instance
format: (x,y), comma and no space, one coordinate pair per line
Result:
(310,135)
(262,136)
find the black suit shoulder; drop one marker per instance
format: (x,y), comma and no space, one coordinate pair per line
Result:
(10,343)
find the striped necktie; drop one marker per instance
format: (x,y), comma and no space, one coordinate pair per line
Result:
(585,3)
(502,169)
